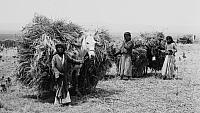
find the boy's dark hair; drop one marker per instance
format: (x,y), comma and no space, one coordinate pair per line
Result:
(60,45)
(127,34)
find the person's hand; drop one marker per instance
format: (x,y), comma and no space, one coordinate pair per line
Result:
(56,76)
(167,52)
(86,57)
(170,52)
(81,61)
(162,51)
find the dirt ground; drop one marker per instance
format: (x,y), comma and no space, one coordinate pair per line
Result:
(141,95)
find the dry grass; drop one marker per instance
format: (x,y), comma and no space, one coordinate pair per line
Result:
(142,95)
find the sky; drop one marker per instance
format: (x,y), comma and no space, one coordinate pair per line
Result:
(115,15)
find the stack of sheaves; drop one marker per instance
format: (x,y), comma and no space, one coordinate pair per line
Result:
(103,53)
(147,52)
(139,57)
(37,49)
(154,43)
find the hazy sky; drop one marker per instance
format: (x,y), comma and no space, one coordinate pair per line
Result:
(117,15)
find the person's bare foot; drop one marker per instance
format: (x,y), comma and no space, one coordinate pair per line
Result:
(122,77)
(57,104)
(69,105)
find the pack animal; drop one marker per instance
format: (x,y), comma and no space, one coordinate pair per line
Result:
(85,51)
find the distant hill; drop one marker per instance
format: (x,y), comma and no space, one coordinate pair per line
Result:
(9,37)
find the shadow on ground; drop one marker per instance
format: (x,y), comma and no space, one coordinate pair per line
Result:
(45,98)
(98,93)
(107,77)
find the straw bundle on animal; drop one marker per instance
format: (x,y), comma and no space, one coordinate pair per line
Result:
(37,49)
(94,69)
(102,51)
(146,46)
(154,43)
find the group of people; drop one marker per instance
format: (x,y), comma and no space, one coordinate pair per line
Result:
(125,64)
(62,58)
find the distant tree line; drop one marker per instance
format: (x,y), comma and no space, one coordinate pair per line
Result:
(8,43)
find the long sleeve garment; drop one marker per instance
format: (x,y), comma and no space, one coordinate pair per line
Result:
(60,66)
(125,65)
(169,63)
(127,47)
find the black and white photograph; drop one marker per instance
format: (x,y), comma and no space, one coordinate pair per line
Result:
(99,56)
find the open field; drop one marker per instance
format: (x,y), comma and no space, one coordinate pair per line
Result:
(142,95)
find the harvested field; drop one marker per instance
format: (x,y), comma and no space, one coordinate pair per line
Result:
(141,95)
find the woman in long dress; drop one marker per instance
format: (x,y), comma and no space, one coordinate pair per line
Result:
(125,64)
(169,63)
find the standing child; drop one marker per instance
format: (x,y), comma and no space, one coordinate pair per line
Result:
(169,63)
(61,71)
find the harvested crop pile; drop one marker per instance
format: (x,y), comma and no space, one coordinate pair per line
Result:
(154,43)
(139,60)
(146,46)
(37,48)
(95,69)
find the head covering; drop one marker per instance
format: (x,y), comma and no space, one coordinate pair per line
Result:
(170,38)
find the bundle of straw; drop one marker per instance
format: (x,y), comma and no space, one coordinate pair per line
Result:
(146,46)
(37,48)
(154,43)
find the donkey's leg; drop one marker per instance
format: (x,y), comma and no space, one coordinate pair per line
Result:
(77,82)
(156,74)
(145,70)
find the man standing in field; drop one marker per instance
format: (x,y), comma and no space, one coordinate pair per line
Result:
(125,64)
(59,65)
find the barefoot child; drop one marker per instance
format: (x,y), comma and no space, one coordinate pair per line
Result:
(59,65)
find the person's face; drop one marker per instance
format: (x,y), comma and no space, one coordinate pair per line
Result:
(60,50)
(127,37)
(168,40)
